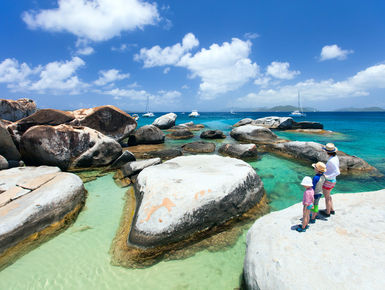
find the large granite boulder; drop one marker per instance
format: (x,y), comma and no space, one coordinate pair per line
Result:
(346,251)
(188,194)
(165,121)
(68,147)
(134,167)
(199,147)
(255,134)
(305,125)
(280,123)
(15,110)
(35,200)
(7,147)
(239,150)
(311,152)
(181,134)
(149,134)
(242,122)
(109,120)
(213,134)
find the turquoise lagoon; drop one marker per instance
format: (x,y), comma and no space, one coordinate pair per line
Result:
(79,257)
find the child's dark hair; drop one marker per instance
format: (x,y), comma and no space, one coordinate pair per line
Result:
(332,153)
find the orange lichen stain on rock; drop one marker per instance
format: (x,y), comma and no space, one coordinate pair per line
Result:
(201,193)
(167,203)
(160,220)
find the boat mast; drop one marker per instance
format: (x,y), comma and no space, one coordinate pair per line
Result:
(299,103)
(147,104)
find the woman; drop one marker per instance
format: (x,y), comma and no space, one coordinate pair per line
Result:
(332,171)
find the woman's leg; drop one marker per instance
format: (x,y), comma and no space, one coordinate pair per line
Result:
(328,200)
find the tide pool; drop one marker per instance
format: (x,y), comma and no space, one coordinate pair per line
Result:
(79,257)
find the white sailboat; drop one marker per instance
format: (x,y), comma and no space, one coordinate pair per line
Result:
(194,114)
(299,112)
(148,114)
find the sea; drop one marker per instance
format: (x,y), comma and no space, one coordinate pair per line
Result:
(79,257)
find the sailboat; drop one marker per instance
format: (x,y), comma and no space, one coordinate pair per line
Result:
(148,114)
(299,112)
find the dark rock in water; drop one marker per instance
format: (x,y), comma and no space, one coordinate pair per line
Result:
(134,167)
(149,134)
(239,150)
(307,125)
(189,125)
(213,134)
(188,194)
(126,156)
(279,123)
(243,122)
(312,152)
(35,199)
(165,121)
(255,134)
(15,110)
(3,163)
(164,154)
(7,147)
(181,134)
(109,120)
(199,147)
(68,147)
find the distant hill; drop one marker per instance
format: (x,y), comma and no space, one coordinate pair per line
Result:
(287,108)
(368,109)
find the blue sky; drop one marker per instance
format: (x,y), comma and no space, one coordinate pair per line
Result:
(184,55)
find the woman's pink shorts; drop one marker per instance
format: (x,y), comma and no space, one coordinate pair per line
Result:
(328,185)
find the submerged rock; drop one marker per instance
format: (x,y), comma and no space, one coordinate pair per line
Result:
(12,110)
(255,134)
(35,199)
(109,120)
(239,150)
(149,134)
(165,121)
(213,134)
(278,257)
(312,152)
(199,147)
(181,134)
(68,147)
(188,194)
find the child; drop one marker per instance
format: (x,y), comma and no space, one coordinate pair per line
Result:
(318,181)
(308,199)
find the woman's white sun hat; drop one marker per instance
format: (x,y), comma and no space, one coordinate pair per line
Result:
(306,181)
(330,148)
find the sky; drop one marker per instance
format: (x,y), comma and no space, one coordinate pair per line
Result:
(185,55)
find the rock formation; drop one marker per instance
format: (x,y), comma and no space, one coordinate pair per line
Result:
(199,147)
(213,134)
(165,121)
(239,150)
(255,134)
(15,110)
(148,134)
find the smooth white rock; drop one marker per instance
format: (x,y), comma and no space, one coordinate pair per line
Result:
(345,252)
(165,121)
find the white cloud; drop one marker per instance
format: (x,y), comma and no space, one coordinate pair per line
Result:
(334,51)
(96,20)
(109,76)
(166,70)
(85,50)
(262,81)
(170,55)
(162,97)
(280,70)
(358,85)
(251,35)
(222,68)
(54,77)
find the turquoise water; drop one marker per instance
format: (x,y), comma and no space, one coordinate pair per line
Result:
(79,257)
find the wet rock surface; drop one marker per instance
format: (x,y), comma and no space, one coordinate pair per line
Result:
(32,199)
(239,150)
(199,147)
(190,193)
(12,110)
(68,147)
(278,257)
(212,134)
(181,134)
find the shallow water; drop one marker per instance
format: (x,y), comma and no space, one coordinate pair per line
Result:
(79,258)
